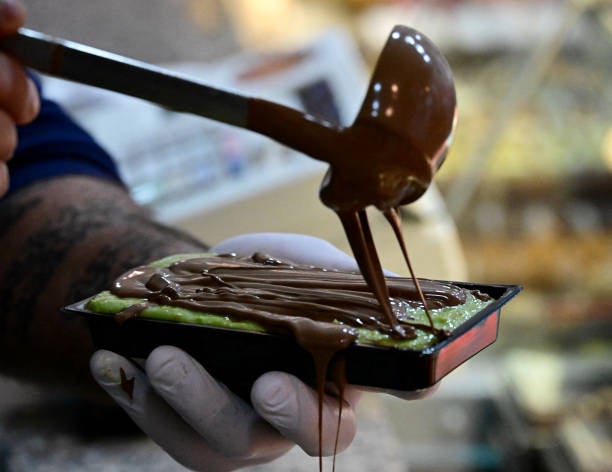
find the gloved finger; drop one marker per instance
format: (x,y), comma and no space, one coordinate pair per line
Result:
(130,388)
(292,407)
(18,94)
(297,248)
(227,423)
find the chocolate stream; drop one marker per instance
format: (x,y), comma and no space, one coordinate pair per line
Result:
(385,159)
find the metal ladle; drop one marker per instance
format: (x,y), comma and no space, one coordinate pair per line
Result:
(386,158)
(396,143)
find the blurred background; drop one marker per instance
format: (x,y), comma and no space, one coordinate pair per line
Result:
(525,197)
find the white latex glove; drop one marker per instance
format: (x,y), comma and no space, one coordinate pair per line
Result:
(202,424)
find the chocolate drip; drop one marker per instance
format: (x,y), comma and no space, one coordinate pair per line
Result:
(393,218)
(389,155)
(387,158)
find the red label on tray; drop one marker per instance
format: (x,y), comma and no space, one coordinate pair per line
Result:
(465,346)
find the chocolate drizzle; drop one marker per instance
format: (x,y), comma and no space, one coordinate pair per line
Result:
(391,152)
(388,156)
(127,385)
(319,307)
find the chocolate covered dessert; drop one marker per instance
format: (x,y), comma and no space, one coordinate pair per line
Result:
(316,306)
(244,316)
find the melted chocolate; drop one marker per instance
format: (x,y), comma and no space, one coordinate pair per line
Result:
(385,159)
(389,155)
(319,307)
(127,385)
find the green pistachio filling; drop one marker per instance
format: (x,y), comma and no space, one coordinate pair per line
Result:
(448,319)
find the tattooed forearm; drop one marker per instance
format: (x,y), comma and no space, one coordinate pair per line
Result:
(46,246)
(63,240)
(142,242)
(10,214)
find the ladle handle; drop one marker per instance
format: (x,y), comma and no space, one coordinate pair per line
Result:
(91,66)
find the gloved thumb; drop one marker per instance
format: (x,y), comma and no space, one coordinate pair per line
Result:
(292,407)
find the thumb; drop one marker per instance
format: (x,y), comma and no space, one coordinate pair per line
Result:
(292,408)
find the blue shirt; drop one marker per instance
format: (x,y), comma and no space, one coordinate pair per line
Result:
(54,145)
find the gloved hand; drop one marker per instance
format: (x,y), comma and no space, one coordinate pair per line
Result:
(19,101)
(202,424)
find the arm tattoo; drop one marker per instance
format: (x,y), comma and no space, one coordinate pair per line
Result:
(142,243)
(10,214)
(30,273)
(69,238)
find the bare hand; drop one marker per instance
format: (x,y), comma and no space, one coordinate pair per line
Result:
(19,101)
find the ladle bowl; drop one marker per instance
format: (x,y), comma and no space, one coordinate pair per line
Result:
(412,94)
(402,132)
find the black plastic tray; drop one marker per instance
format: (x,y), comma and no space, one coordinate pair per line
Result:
(238,357)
